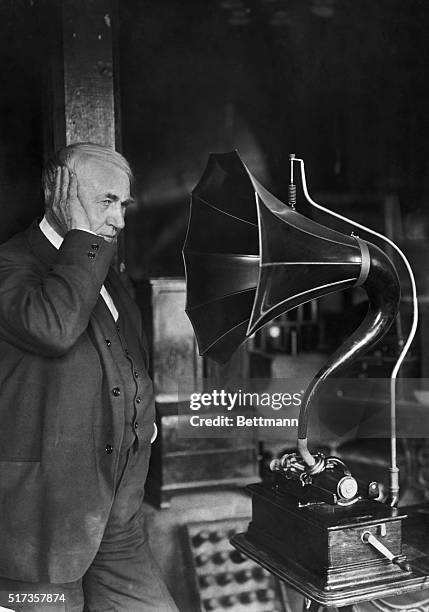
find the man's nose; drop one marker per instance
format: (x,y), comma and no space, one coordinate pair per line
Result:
(117,216)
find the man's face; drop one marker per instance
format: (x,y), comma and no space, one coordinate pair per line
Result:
(104,191)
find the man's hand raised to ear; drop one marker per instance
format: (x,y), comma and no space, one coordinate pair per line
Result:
(65,208)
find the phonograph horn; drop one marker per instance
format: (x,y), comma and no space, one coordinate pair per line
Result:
(249,258)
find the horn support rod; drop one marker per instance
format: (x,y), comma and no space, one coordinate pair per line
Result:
(393,470)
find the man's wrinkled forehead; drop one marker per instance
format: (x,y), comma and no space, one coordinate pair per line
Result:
(85,162)
(103,175)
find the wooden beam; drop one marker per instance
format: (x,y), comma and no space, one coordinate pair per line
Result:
(82,104)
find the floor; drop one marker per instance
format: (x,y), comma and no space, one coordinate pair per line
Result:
(166,536)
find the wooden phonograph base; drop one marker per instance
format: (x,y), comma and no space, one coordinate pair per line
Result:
(319,551)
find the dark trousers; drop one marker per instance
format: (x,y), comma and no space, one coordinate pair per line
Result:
(123,577)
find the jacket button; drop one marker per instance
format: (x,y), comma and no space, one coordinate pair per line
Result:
(91,254)
(136,425)
(95,246)
(108,342)
(116,391)
(138,399)
(109,449)
(136,374)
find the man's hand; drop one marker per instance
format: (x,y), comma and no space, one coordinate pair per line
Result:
(65,207)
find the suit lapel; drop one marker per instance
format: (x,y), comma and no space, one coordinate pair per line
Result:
(116,290)
(127,312)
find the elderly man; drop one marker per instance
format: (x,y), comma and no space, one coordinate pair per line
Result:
(76,403)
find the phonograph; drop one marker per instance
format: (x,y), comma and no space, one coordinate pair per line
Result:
(250,257)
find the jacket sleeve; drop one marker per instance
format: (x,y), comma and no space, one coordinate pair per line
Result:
(45,313)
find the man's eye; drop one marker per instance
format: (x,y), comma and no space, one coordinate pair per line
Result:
(106,202)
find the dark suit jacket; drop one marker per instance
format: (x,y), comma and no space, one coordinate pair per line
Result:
(57,412)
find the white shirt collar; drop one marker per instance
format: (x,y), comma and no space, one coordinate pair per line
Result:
(52,235)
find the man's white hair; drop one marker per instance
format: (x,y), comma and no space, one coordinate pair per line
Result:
(68,156)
